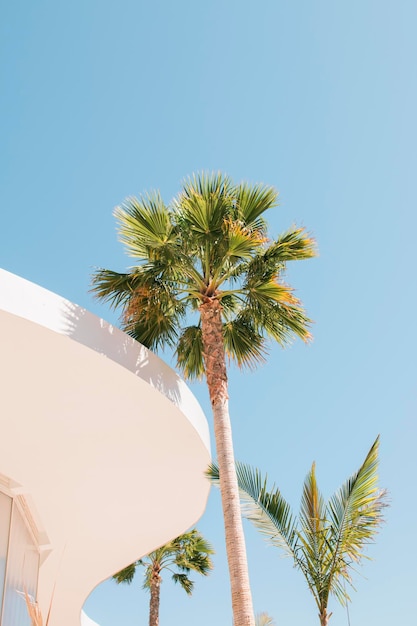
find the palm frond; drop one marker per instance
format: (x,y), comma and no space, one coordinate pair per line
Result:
(314,553)
(243,343)
(204,203)
(293,245)
(192,553)
(313,510)
(112,287)
(231,252)
(231,304)
(252,201)
(154,332)
(148,573)
(261,268)
(152,315)
(127,574)
(356,512)
(265,292)
(284,322)
(269,264)
(145,226)
(240,242)
(152,312)
(277,313)
(266,509)
(206,184)
(189,352)
(184,581)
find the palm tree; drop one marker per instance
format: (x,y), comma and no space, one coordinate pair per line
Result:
(188,552)
(208,254)
(327,540)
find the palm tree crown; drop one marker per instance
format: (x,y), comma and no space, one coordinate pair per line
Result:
(188,552)
(328,539)
(210,244)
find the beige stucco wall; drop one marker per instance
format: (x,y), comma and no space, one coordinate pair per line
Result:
(106,443)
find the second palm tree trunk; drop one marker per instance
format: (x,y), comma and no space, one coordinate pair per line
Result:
(155,588)
(215,368)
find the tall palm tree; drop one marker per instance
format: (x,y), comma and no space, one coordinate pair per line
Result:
(208,254)
(188,552)
(328,539)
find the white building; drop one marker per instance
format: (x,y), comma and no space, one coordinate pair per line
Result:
(102,453)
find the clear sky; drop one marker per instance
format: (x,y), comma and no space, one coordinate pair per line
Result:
(101,100)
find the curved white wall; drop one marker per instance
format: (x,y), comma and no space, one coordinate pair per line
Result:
(104,440)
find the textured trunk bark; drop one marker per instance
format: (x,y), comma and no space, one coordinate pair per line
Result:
(154,601)
(215,368)
(324,617)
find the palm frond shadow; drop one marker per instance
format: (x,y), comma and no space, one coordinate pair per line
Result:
(98,335)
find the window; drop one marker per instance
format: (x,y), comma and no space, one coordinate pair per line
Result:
(19,561)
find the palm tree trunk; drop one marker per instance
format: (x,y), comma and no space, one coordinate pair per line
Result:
(215,369)
(155,589)
(324,617)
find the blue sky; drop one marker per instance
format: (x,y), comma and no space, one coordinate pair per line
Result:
(101,100)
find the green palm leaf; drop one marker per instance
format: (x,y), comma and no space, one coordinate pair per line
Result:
(263,293)
(205,202)
(253,201)
(240,242)
(184,581)
(144,226)
(356,511)
(293,245)
(113,287)
(243,343)
(189,352)
(153,313)
(314,554)
(127,574)
(267,510)
(282,321)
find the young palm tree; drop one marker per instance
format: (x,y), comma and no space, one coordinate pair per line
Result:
(327,540)
(188,552)
(208,254)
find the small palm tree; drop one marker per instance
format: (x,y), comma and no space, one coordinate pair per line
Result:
(208,255)
(328,539)
(188,552)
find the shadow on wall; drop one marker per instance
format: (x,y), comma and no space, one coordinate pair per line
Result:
(112,343)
